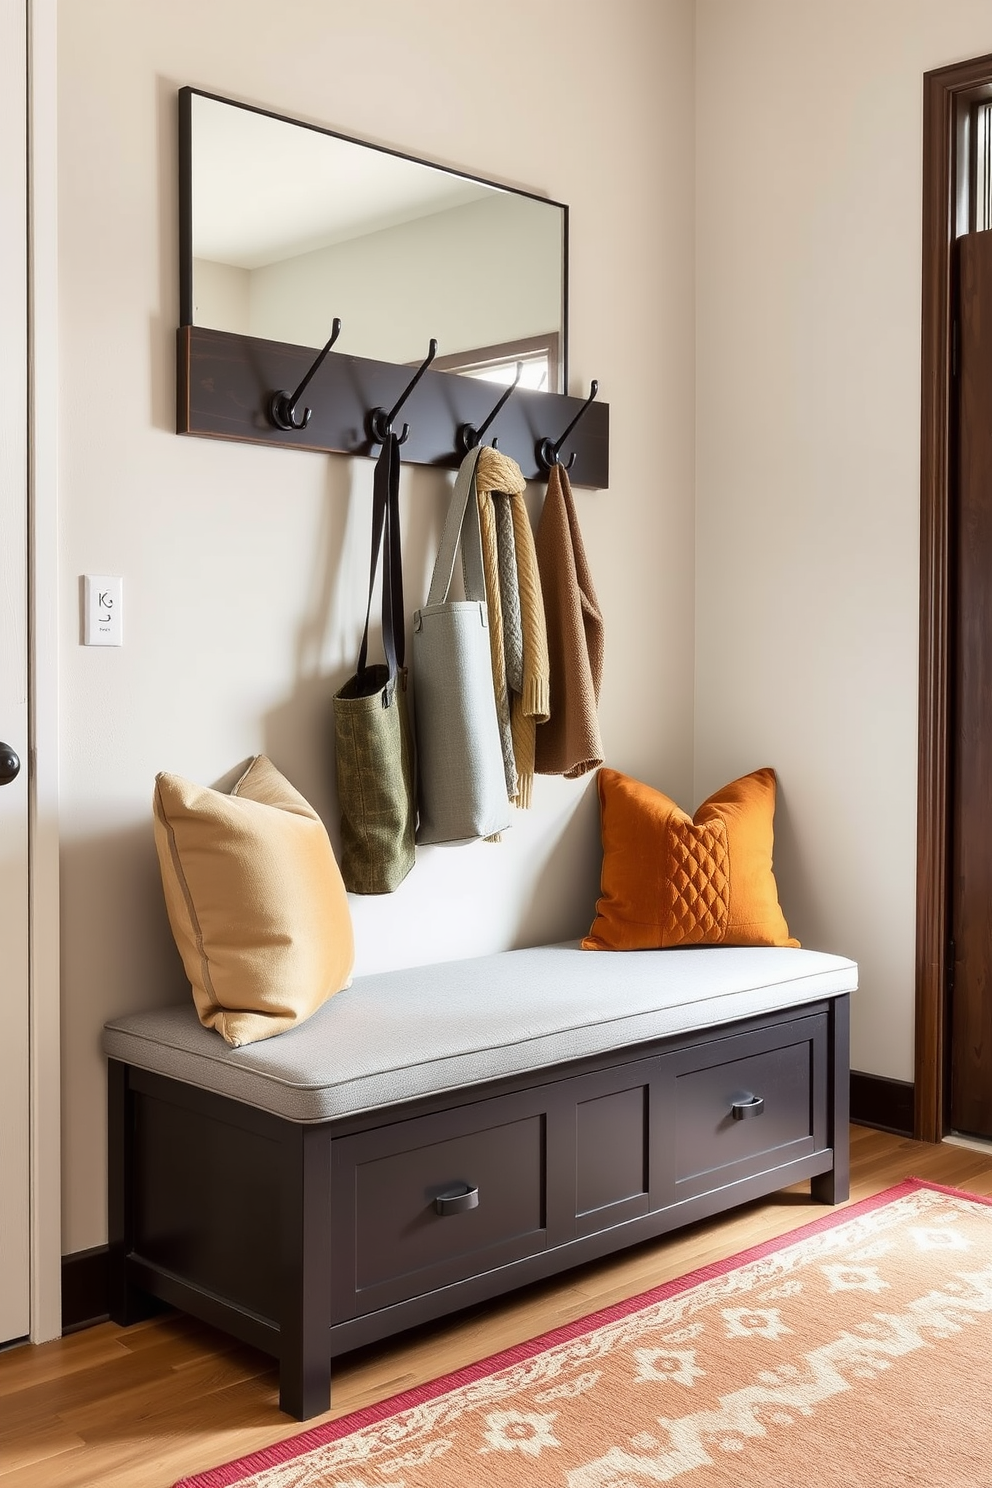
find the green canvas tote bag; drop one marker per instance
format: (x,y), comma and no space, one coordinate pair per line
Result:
(374,750)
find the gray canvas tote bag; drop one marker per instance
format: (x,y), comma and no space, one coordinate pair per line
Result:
(462,783)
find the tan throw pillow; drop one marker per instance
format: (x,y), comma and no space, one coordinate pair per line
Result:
(255,900)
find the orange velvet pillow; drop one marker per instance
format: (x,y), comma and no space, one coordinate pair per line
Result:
(674,880)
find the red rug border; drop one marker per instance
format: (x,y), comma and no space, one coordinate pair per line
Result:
(242,1468)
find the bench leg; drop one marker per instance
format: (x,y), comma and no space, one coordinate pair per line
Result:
(305,1382)
(835,1187)
(126,1303)
(305,1323)
(830,1188)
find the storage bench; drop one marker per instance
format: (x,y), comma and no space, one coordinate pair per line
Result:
(437,1136)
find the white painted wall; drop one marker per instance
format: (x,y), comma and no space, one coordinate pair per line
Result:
(809,128)
(243,566)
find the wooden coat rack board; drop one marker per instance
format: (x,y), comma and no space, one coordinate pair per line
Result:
(225,382)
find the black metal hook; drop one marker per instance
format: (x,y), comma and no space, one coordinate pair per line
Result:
(547,453)
(469,436)
(282,405)
(381,423)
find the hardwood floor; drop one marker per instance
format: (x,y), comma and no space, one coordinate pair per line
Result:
(146,1405)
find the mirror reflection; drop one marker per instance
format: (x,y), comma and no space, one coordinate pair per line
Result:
(292,226)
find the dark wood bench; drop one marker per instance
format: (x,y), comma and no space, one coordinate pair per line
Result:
(309,1197)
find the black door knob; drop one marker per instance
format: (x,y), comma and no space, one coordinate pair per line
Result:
(9,764)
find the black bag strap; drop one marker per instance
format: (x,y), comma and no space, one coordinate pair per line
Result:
(386,539)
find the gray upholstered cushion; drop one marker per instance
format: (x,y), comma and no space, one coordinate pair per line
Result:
(401,1034)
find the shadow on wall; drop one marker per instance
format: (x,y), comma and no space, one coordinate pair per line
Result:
(541,883)
(114,917)
(795,882)
(298,734)
(566,885)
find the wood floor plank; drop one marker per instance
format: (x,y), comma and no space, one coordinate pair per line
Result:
(20,1367)
(144,1406)
(28,1449)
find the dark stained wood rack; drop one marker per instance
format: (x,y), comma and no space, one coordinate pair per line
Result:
(225,382)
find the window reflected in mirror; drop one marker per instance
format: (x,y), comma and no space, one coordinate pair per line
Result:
(536,356)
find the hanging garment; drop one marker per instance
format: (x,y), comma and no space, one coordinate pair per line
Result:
(503,601)
(569,743)
(513,588)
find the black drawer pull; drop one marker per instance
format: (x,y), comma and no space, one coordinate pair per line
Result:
(749,1105)
(457,1203)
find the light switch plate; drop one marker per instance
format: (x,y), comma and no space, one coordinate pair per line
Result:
(102,611)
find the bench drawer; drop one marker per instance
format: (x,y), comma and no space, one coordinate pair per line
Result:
(427,1202)
(747,1103)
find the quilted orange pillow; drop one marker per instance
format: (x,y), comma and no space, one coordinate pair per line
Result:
(674,880)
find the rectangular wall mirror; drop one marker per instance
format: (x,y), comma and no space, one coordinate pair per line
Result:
(286,225)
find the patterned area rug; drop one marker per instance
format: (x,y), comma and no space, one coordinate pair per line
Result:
(855,1351)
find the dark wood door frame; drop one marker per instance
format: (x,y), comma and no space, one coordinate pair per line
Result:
(947,94)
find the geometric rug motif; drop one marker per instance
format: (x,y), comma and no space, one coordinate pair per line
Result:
(855,1352)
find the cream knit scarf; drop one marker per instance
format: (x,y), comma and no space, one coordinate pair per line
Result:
(518,646)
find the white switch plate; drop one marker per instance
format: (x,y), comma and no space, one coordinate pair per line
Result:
(102,611)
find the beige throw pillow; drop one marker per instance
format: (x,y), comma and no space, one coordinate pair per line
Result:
(255,900)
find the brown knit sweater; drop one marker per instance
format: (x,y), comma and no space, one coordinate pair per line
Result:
(569,743)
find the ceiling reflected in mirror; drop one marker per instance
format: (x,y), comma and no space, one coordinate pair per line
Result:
(287,226)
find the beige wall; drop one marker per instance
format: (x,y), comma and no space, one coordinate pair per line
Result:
(243,567)
(809,120)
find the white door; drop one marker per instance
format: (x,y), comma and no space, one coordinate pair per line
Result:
(14,1129)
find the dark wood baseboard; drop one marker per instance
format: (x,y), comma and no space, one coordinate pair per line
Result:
(883,1103)
(85,1288)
